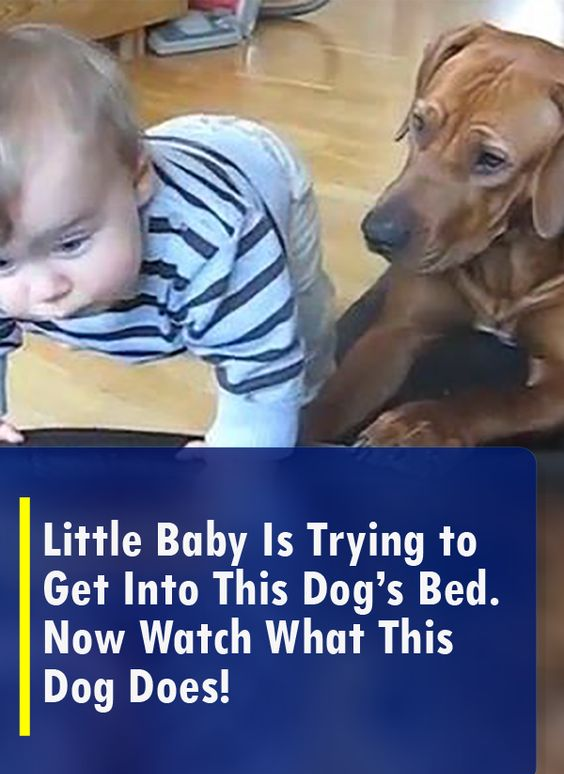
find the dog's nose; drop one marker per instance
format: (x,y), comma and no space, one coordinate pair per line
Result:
(388,229)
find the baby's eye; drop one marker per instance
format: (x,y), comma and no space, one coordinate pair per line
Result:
(72,245)
(6,266)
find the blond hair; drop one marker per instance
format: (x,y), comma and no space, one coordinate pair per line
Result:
(45,66)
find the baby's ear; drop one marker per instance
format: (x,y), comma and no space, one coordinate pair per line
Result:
(144,179)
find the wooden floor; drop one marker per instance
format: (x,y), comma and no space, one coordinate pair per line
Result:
(337,83)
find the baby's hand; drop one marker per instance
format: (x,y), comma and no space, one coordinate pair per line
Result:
(9,433)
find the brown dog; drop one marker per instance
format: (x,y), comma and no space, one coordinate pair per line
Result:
(473,228)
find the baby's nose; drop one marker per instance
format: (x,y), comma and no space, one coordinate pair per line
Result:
(50,285)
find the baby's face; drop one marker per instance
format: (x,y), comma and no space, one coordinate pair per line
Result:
(76,243)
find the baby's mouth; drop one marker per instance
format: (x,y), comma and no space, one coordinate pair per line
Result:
(44,315)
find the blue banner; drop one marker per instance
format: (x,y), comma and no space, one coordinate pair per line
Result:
(244,612)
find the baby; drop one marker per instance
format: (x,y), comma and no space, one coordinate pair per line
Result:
(200,236)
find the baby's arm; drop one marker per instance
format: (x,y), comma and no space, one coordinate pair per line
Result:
(10,339)
(261,405)
(249,334)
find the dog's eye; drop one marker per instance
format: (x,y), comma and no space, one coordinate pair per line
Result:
(489,161)
(417,122)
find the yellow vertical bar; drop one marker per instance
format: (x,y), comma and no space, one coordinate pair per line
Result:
(25,617)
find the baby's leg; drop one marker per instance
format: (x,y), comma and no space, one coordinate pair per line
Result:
(315,296)
(314,292)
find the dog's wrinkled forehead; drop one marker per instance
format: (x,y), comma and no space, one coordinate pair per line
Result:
(480,89)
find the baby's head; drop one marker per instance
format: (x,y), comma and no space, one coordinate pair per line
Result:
(72,176)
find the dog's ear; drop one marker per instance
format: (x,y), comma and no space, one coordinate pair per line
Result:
(446,46)
(548,194)
(548,184)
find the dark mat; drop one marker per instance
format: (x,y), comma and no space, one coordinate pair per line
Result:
(103,437)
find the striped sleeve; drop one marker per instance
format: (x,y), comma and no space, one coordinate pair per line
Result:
(242,320)
(10,339)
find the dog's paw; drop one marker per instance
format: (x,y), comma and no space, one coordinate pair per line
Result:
(425,423)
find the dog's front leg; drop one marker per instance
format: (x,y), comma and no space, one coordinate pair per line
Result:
(417,310)
(480,416)
(370,374)
(474,418)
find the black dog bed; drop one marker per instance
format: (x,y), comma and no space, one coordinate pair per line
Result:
(104,437)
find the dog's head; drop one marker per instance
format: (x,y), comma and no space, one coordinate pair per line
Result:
(486,139)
